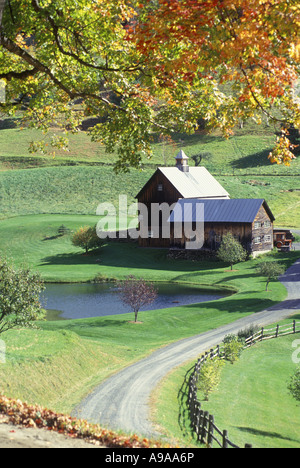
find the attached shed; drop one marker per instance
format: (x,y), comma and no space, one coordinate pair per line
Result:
(249,220)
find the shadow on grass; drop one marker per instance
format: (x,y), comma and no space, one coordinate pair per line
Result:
(259,159)
(258,432)
(72,258)
(130,256)
(234,305)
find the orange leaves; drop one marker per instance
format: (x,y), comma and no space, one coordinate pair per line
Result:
(245,33)
(21,413)
(282,153)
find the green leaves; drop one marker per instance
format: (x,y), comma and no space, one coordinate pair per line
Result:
(19,297)
(158,67)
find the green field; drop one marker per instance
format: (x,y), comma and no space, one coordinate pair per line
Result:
(252,401)
(77,181)
(117,341)
(60,362)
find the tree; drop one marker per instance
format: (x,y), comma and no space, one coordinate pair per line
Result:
(86,238)
(137,293)
(294,385)
(168,147)
(158,66)
(270,270)
(210,375)
(231,251)
(19,297)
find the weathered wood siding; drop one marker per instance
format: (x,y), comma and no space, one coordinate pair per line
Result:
(214,232)
(262,232)
(255,237)
(158,190)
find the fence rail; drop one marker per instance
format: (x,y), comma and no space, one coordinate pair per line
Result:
(202,423)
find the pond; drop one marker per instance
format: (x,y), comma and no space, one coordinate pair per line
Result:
(75,301)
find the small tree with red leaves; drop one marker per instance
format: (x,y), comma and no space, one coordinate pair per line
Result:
(137,293)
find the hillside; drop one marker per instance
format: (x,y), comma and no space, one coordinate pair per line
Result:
(77,181)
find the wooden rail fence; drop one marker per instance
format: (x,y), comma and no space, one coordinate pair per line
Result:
(202,423)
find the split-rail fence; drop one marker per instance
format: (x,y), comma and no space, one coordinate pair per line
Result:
(202,423)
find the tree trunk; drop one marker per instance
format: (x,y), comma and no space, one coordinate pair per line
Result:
(136,315)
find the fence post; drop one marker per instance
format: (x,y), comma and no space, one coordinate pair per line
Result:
(200,422)
(198,412)
(204,427)
(294,326)
(225,439)
(262,333)
(277,331)
(210,431)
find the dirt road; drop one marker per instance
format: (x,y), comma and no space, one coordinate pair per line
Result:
(20,437)
(122,401)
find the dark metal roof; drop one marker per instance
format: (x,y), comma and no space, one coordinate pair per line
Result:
(219,211)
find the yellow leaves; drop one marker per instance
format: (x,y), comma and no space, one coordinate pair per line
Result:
(282,153)
(295,51)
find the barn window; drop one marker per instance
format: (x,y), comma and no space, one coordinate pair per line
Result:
(160,187)
(268,224)
(257,240)
(257,225)
(267,238)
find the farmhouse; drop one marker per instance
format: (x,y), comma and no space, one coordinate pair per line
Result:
(249,220)
(170,199)
(166,187)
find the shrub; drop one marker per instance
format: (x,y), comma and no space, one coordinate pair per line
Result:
(233,348)
(210,375)
(247,332)
(294,385)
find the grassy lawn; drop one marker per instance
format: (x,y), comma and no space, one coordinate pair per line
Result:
(32,240)
(57,364)
(252,402)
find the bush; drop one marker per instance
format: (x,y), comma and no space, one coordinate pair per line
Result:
(294,385)
(247,332)
(233,348)
(210,375)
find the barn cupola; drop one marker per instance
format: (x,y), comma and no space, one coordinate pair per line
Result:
(182,161)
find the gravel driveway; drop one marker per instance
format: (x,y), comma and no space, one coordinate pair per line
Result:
(122,401)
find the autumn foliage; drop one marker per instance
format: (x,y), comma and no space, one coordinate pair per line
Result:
(155,66)
(21,413)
